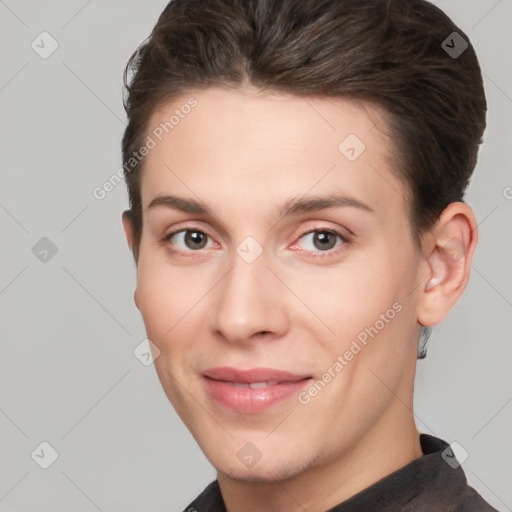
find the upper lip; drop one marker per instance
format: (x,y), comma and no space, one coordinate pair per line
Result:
(230,374)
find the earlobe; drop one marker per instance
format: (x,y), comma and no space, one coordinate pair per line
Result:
(448,257)
(135,299)
(127,219)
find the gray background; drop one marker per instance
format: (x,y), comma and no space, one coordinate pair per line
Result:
(68,375)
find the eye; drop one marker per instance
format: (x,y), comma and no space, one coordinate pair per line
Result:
(187,240)
(322,240)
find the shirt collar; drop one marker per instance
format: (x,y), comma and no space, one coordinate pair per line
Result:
(427,481)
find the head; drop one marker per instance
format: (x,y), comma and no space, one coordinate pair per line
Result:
(253,116)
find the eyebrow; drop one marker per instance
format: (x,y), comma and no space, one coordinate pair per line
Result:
(297,205)
(294,206)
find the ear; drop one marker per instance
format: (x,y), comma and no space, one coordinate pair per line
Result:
(129,231)
(128,227)
(448,255)
(127,219)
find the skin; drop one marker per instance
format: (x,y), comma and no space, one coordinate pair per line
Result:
(297,306)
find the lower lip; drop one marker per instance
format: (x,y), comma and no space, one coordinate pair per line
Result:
(249,400)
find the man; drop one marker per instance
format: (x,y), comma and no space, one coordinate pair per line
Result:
(297,222)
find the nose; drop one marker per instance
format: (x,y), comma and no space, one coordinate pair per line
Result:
(248,302)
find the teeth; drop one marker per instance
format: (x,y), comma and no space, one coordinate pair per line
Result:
(253,385)
(259,385)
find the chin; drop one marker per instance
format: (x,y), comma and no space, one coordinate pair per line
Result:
(264,472)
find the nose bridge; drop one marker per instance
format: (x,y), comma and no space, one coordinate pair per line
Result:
(247,301)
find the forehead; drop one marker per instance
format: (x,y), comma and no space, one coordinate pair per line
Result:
(237,147)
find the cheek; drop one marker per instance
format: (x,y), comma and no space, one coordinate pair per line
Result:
(348,299)
(157,298)
(365,305)
(169,299)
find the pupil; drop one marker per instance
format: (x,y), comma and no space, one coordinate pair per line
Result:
(323,238)
(194,237)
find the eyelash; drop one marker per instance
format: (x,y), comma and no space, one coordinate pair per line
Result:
(317,254)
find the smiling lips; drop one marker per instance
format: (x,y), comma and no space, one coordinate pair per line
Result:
(252,391)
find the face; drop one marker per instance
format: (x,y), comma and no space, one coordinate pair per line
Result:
(279,280)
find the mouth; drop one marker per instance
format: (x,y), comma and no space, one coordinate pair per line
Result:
(252,391)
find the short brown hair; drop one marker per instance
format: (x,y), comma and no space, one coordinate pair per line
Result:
(388,52)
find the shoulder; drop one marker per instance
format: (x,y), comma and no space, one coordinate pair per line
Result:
(473,502)
(210,500)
